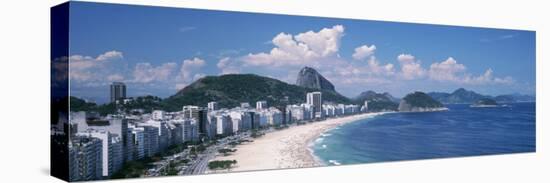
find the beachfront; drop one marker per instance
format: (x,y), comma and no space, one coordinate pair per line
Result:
(288,148)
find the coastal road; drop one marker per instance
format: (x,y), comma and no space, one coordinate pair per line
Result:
(202,165)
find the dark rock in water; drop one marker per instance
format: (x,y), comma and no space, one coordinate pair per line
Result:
(310,78)
(419,102)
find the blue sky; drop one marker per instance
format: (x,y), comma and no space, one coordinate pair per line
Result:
(157,51)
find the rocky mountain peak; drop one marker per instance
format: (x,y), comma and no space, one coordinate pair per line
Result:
(310,78)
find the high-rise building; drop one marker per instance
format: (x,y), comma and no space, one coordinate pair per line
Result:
(274,117)
(315,99)
(176,131)
(261,105)
(241,120)
(199,114)
(150,139)
(254,119)
(112,156)
(212,106)
(190,130)
(118,91)
(163,140)
(157,114)
(138,142)
(117,154)
(212,123)
(296,113)
(85,158)
(128,146)
(114,125)
(224,124)
(74,163)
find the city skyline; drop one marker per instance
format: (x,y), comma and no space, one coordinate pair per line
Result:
(168,49)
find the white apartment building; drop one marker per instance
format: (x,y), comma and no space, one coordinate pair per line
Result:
(212,106)
(260,105)
(138,142)
(157,115)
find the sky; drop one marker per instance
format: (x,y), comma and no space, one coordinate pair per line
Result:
(158,50)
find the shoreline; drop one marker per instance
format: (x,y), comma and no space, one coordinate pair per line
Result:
(288,148)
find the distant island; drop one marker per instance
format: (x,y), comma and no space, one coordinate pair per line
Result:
(463,96)
(486,102)
(420,102)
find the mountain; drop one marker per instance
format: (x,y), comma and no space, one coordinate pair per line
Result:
(232,89)
(377,101)
(485,102)
(460,95)
(419,102)
(373,96)
(391,97)
(310,78)
(505,98)
(439,96)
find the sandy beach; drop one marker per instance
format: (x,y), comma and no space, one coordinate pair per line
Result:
(287,148)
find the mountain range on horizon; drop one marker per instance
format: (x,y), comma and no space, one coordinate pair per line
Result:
(463,96)
(232,89)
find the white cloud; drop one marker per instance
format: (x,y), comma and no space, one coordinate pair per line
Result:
(377,69)
(188,71)
(87,68)
(110,55)
(410,67)
(364,80)
(452,71)
(505,80)
(189,66)
(363,51)
(487,78)
(298,50)
(446,70)
(347,74)
(198,76)
(147,73)
(115,77)
(406,58)
(227,67)
(325,42)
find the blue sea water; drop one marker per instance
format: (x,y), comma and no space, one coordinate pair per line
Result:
(461,131)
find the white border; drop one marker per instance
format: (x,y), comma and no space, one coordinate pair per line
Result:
(24,155)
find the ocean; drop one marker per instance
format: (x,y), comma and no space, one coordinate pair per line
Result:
(461,131)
